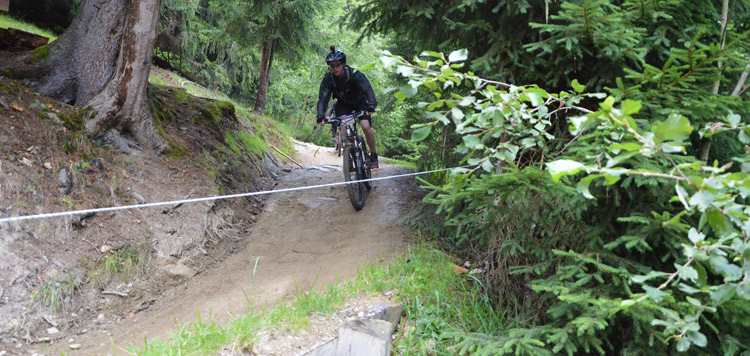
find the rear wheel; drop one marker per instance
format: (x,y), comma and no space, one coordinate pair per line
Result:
(337,137)
(352,172)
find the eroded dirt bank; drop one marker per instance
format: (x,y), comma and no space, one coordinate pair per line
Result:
(102,282)
(302,239)
(61,277)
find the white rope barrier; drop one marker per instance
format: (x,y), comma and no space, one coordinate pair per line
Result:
(219,197)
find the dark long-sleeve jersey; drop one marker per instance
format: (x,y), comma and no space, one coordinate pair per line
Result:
(351,88)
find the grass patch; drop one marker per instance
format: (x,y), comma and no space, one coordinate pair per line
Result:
(252,143)
(119,264)
(157,80)
(243,141)
(273,133)
(232,142)
(435,298)
(54,292)
(9,22)
(321,135)
(159,76)
(268,131)
(398,162)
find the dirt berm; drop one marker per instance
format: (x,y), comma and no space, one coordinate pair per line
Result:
(92,285)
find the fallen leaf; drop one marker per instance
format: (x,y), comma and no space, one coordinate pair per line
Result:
(27,162)
(460,270)
(16,108)
(47,165)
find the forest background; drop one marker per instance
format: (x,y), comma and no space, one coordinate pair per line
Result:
(607,201)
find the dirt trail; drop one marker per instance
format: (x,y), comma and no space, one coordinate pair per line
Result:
(302,239)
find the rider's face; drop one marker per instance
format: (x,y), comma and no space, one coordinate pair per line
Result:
(336,67)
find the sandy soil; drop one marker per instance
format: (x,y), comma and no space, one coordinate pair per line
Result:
(303,239)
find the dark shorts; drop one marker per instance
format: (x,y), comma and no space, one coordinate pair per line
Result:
(342,108)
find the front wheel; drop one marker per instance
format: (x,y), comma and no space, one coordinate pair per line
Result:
(367,172)
(352,169)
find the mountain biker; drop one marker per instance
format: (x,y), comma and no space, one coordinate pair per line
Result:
(353,93)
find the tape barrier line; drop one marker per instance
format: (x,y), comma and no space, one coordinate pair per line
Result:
(219,197)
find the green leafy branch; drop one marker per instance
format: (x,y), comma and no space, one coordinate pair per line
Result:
(493,118)
(719,244)
(497,122)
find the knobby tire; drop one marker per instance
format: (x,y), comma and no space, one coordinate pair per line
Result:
(366,163)
(356,191)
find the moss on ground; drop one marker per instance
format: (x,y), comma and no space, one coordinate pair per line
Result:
(76,119)
(176,150)
(160,111)
(269,133)
(39,54)
(252,143)
(215,111)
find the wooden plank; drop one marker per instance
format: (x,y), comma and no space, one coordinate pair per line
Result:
(4,5)
(365,337)
(326,349)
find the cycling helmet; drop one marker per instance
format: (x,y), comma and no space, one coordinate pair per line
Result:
(335,55)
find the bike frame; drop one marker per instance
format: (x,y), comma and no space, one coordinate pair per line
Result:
(354,151)
(348,124)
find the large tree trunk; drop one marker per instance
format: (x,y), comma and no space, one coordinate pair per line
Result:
(270,62)
(265,67)
(103,60)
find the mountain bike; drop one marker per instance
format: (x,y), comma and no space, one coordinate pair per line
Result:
(356,157)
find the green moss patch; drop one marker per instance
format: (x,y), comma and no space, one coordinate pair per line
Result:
(245,141)
(39,54)
(217,110)
(76,119)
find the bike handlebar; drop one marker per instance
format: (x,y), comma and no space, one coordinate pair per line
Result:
(341,118)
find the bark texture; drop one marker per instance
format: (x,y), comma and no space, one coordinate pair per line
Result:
(103,60)
(269,48)
(260,97)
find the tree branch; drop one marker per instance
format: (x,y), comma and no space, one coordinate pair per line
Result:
(706,142)
(655,148)
(659,175)
(724,21)
(743,78)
